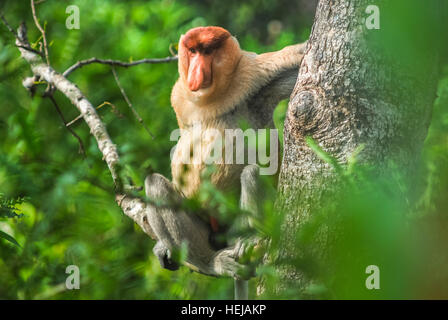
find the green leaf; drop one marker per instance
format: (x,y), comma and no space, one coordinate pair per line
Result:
(323,155)
(9,238)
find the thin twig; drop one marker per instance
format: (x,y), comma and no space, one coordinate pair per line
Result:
(42,31)
(173,49)
(74,120)
(74,134)
(29,48)
(7,25)
(114,109)
(117,63)
(130,104)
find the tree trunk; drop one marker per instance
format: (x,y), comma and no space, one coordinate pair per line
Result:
(353,90)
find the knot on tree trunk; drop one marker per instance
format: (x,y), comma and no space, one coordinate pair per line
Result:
(303,112)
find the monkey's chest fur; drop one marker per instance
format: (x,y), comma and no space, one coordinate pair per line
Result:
(203,153)
(210,150)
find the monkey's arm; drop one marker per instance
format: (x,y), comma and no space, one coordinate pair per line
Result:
(174,227)
(266,99)
(279,71)
(276,62)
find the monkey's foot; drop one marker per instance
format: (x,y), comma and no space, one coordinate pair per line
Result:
(224,263)
(164,256)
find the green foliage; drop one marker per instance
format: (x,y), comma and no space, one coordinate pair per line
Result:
(8,209)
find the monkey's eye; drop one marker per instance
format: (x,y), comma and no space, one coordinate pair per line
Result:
(192,50)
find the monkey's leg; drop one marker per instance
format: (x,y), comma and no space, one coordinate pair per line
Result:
(251,195)
(250,190)
(174,227)
(249,201)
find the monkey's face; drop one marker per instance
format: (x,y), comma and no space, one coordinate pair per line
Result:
(207,58)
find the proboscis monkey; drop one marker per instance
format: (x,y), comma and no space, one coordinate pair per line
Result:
(216,83)
(219,86)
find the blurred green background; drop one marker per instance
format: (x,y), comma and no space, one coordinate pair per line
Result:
(65,202)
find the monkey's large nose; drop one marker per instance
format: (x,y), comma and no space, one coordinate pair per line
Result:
(199,73)
(195,79)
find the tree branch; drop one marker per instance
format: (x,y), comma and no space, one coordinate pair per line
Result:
(72,132)
(125,96)
(75,95)
(116,63)
(5,22)
(114,110)
(42,31)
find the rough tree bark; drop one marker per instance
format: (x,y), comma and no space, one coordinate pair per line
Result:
(350,92)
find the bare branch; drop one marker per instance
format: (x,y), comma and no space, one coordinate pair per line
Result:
(32,50)
(29,48)
(130,104)
(173,49)
(73,133)
(116,63)
(71,91)
(7,25)
(114,109)
(42,31)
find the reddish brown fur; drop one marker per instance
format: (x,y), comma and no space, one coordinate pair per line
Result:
(205,38)
(199,51)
